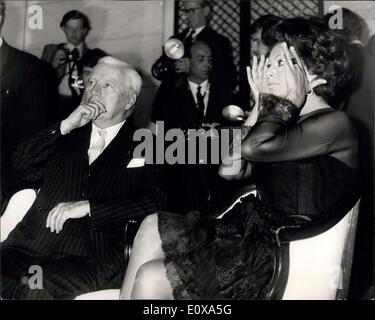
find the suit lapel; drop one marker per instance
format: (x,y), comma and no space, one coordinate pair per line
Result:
(76,161)
(120,148)
(4,55)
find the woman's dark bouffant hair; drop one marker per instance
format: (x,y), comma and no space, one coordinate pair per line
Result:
(324,51)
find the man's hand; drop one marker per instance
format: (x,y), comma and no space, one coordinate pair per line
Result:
(59,58)
(64,211)
(182,65)
(81,116)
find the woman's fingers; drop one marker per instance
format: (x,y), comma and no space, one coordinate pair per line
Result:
(249,77)
(287,55)
(252,84)
(297,59)
(317,82)
(254,68)
(261,67)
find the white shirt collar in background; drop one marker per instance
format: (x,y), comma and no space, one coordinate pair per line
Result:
(197,31)
(70,47)
(205,91)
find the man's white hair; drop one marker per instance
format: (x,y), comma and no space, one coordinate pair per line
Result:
(131,77)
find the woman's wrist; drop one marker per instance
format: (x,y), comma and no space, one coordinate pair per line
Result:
(272,104)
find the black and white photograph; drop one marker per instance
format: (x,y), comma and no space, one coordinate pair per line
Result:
(199,150)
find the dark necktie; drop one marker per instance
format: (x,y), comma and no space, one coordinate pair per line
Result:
(200,101)
(189,40)
(75,54)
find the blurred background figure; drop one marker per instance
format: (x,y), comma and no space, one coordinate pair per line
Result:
(359,102)
(198,14)
(361,106)
(27,102)
(64,58)
(371,45)
(195,102)
(86,64)
(264,23)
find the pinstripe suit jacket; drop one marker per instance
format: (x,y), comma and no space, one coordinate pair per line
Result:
(59,165)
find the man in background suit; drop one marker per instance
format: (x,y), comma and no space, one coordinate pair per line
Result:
(197,13)
(89,188)
(27,103)
(64,57)
(360,105)
(196,101)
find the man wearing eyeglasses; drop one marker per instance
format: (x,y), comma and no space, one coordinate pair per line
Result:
(197,13)
(64,57)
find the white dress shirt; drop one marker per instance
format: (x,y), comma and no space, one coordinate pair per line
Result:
(110,134)
(205,91)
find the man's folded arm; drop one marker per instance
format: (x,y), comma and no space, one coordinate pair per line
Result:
(119,210)
(30,158)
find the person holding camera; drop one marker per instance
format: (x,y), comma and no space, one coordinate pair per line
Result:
(64,58)
(197,14)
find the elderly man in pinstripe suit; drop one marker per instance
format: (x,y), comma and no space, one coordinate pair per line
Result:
(89,189)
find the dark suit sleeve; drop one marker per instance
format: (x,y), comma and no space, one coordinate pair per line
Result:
(37,100)
(49,52)
(31,157)
(119,210)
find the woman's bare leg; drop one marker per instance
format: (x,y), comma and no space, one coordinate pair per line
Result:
(146,247)
(151,282)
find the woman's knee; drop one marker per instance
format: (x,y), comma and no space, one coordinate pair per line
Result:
(148,228)
(151,282)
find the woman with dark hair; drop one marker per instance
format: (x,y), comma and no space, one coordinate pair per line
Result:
(302,155)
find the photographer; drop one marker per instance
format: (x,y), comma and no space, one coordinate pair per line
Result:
(198,13)
(64,58)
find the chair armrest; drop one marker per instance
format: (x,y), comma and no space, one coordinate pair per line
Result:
(301,231)
(131,229)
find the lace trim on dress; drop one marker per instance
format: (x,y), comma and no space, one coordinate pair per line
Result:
(245,264)
(178,266)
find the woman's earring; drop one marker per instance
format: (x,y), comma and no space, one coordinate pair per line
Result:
(310,92)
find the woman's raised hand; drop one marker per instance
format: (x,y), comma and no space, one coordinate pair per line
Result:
(256,77)
(297,84)
(258,84)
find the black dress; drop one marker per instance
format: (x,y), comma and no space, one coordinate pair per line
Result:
(233,257)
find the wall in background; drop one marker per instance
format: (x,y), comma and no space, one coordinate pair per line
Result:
(133,31)
(366,9)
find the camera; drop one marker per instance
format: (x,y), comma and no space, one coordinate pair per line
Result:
(71,56)
(164,67)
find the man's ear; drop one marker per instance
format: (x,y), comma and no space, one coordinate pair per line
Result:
(131,102)
(207,11)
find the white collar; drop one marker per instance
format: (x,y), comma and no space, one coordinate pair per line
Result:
(111,132)
(205,86)
(70,47)
(197,31)
(356,41)
(1,41)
